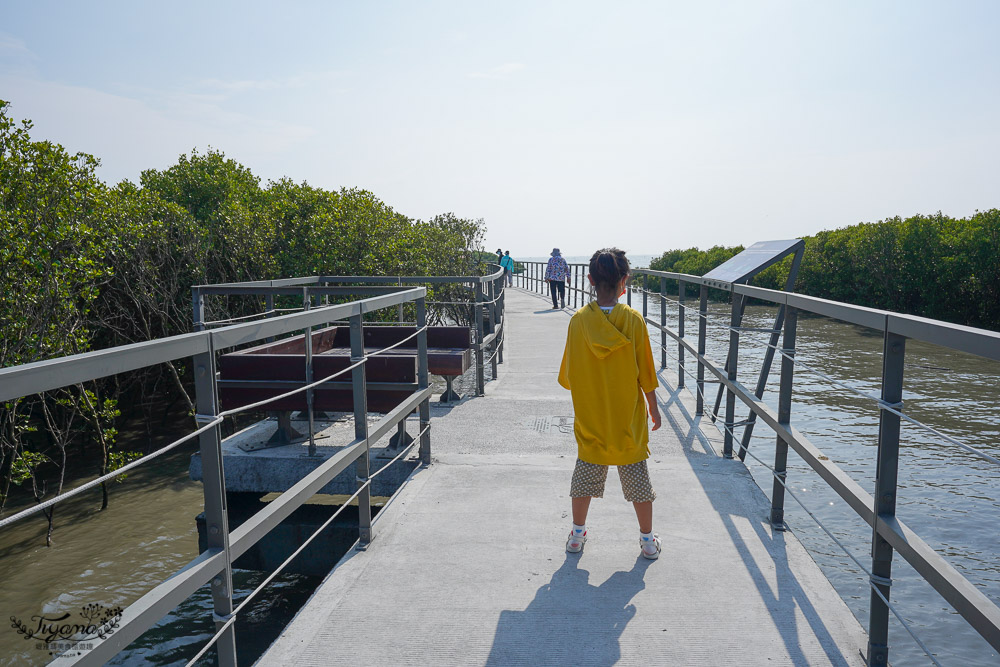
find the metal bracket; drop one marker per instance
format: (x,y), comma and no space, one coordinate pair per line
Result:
(882,405)
(221,619)
(204,419)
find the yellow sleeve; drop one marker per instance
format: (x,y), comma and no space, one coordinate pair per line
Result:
(644,358)
(564,366)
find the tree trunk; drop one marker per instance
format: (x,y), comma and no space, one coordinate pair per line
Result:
(182,390)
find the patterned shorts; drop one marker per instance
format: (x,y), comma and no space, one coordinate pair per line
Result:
(589,478)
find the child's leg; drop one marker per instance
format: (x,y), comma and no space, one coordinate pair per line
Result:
(588,482)
(639,491)
(580,508)
(643,512)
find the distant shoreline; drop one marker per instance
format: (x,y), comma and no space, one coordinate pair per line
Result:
(637,261)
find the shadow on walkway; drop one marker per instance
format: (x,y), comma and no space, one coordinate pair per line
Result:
(581,622)
(788,594)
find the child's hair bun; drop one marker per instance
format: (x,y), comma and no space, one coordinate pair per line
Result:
(607,267)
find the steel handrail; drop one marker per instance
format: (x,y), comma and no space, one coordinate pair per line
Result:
(780,480)
(981,613)
(217,560)
(52,374)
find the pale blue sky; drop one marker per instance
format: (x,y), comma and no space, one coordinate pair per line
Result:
(649,125)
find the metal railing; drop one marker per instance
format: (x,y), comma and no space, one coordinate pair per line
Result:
(486,303)
(532,277)
(214,565)
(889,534)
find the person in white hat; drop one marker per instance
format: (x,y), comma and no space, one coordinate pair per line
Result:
(557,275)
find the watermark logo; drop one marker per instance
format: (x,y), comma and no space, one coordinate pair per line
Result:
(68,634)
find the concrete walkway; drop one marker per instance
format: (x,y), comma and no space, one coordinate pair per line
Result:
(468,564)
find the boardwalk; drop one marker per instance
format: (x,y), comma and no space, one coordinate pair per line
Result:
(468,567)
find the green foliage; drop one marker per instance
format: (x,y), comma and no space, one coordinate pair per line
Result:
(691,261)
(50,258)
(928,265)
(118,459)
(23,466)
(227,203)
(85,265)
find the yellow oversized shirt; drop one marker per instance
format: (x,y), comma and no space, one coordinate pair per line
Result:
(607,366)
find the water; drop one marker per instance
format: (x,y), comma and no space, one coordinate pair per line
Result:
(950,497)
(113,557)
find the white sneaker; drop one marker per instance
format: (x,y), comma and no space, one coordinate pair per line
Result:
(574,544)
(650,548)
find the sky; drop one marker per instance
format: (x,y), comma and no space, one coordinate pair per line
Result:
(646,125)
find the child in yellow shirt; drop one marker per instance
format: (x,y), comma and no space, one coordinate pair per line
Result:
(608,367)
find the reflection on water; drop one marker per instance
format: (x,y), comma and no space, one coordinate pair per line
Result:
(950,497)
(178,637)
(110,557)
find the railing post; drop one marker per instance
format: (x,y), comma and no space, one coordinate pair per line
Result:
(490,288)
(269,307)
(480,362)
(422,383)
(894,351)
(628,292)
(680,332)
(734,355)
(572,288)
(502,318)
(645,293)
(702,326)
(310,395)
(784,417)
(214,488)
(198,308)
(663,322)
(361,431)
(399,282)
(493,327)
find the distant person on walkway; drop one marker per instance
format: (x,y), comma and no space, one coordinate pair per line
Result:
(507,262)
(608,367)
(557,275)
(499,255)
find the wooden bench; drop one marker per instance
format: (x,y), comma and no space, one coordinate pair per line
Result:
(272,369)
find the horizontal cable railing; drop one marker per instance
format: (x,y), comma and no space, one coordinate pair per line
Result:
(889,534)
(780,479)
(224,546)
(485,302)
(838,384)
(45,376)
